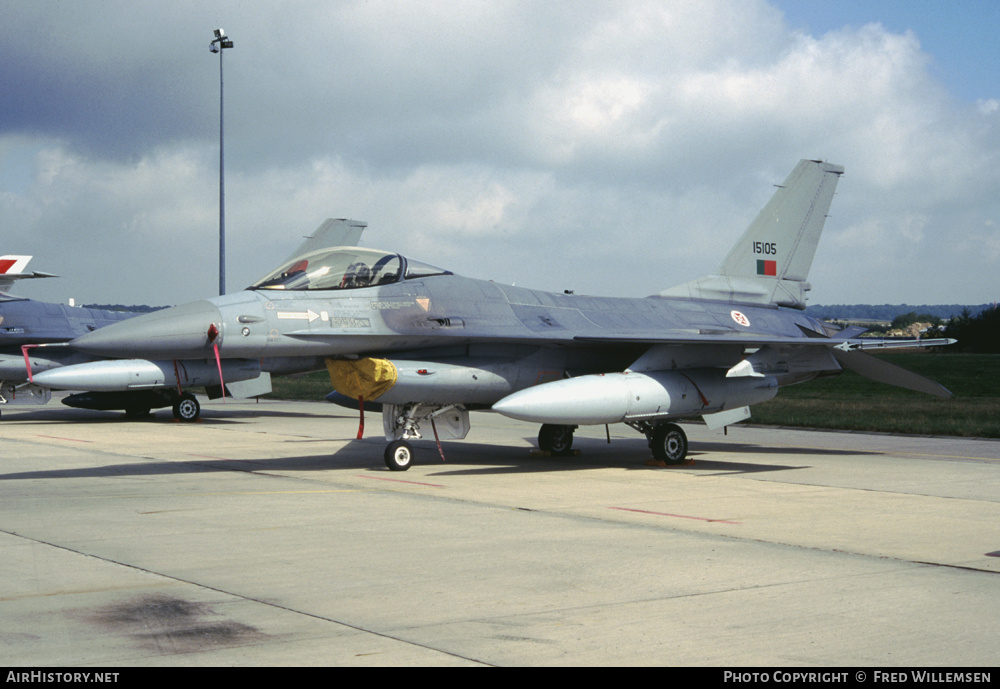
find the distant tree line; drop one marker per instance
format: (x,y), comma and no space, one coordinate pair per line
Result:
(977,328)
(979,334)
(134,308)
(886,312)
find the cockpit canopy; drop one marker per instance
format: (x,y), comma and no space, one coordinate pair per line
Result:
(345,268)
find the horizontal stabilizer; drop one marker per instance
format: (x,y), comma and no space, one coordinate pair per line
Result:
(883,372)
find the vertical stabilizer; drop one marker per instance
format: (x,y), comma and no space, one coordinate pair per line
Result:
(770,262)
(12,268)
(339,232)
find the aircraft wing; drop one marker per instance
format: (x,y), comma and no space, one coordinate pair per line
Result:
(751,339)
(847,353)
(715,337)
(680,338)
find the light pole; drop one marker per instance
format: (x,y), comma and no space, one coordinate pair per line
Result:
(217,46)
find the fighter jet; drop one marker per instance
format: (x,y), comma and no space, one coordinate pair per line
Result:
(26,323)
(135,386)
(429,346)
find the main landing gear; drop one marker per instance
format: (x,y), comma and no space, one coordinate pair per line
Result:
(184,406)
(555,438)
(668,441)
(187,408)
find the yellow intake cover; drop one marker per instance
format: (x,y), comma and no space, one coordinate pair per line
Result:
(367,378)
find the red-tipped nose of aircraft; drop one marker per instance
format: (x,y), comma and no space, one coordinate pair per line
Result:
(181,332)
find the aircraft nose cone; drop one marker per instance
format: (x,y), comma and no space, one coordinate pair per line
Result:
(186,331)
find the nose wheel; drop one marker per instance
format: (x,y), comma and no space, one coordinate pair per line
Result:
(398,455)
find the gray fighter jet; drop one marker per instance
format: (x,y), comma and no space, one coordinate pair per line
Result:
(429,346)
(26,323)
(137,386)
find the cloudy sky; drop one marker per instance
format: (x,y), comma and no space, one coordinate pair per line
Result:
(613,148)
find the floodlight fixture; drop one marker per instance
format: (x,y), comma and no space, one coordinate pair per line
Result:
(221,41)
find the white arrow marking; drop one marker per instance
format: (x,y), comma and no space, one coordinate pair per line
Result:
(309,315)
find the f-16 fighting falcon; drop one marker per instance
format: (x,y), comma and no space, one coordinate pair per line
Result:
(33,338)
(428,346)
(26,323)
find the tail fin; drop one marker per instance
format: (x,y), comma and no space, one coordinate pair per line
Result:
(12,269)
(339,232)
(770,262)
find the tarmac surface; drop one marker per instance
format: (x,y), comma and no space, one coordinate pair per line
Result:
(264,534)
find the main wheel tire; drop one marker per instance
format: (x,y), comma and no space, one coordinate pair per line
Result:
(398,455)
(669,443)
(187,408)
(555,438)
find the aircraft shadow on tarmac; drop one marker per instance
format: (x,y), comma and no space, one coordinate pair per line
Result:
(630,454)
(461,458)
(204,464)
(57,414)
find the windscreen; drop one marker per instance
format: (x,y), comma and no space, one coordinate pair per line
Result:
(345,268)
(342,268)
